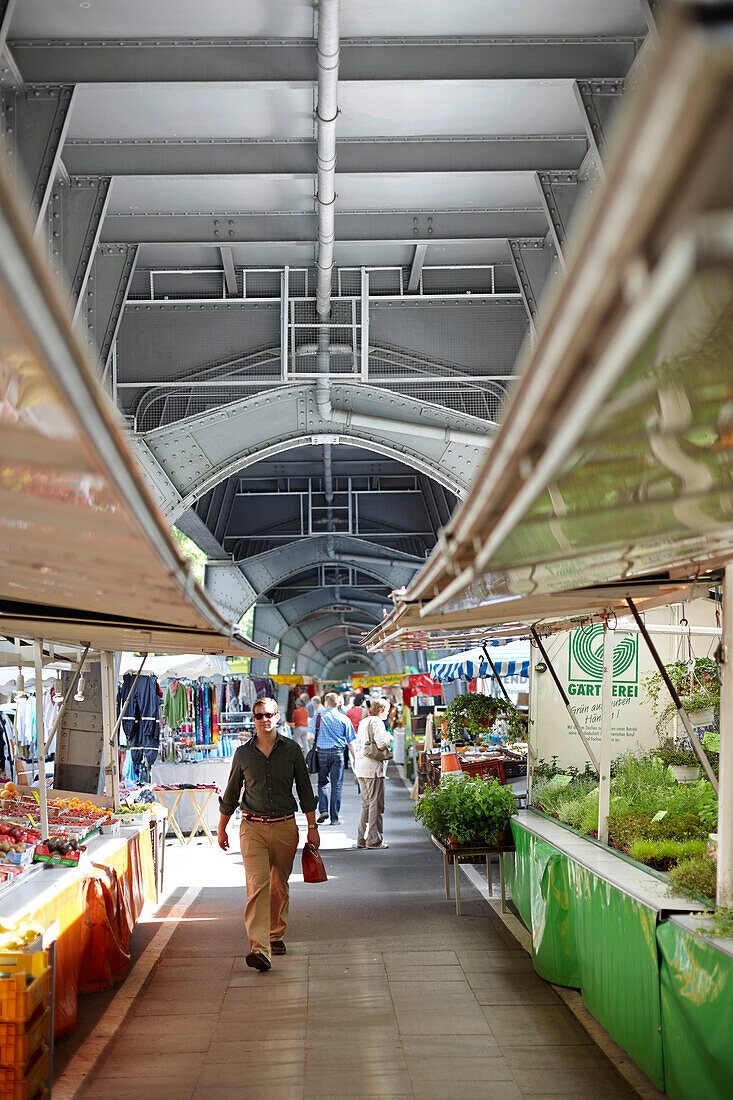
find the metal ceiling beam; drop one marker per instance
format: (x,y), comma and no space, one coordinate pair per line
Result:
(533,264)
(186,60)
(283,227)
(186,459)
(500,153)
(74,222)
(106,293)
(230,276)
(598,101)
(418,259)
(35,122)
(9,71)
(559,193)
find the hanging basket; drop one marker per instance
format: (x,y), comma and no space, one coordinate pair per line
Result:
(704,717)
(686,773)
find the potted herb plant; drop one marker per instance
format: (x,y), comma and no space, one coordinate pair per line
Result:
(697,685)
(475,714)
(467,811)
(681,759)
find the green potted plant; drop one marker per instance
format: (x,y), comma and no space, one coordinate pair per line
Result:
(466,810)
(678,756)
(474,714)
(697,685)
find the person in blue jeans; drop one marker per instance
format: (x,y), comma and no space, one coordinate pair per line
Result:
(332,732)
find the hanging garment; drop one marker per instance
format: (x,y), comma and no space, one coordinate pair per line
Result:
(141,723)
(175,707)
(51,706)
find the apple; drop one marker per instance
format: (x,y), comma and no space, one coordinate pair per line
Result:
(4,829)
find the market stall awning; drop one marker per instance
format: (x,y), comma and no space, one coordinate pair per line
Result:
(614,465)
(509,660)
(84,554)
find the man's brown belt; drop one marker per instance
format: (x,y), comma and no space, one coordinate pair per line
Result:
(246,816)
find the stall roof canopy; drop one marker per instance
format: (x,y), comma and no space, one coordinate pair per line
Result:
(613,471)
(84,554)
(511,659)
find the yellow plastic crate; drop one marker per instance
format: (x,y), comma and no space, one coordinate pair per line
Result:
(20,997)
(20,1041)
(25,1083)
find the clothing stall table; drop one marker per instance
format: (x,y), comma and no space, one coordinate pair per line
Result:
(199,798)
(472,850)
(214,770)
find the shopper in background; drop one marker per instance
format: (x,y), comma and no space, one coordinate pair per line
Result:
(300,723)
(370,774)
(357,711)
(262,774)
(313,706)
(332,732)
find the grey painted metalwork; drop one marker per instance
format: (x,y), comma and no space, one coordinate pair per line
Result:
(74,220)
(106,292)
(35,124)
(183,461)
(559,192)
(533,265)
(188,60)
(598,100)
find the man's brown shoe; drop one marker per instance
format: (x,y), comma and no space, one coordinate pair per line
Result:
(278,947)
(259,961)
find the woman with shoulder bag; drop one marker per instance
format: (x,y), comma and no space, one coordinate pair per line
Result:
(370,767)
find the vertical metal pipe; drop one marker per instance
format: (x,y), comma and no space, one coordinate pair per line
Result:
(326,115)
(604,790)
(725,794)
(40,738)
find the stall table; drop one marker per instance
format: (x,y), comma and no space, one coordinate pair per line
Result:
(454,855)
(198,798)
(214,771)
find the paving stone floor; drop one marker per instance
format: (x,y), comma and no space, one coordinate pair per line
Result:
(384,992)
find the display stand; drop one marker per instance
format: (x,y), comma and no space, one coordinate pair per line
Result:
(454,856)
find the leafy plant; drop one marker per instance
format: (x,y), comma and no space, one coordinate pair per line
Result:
(662,854)
(676,754)
(475,713)
(695,877)
(707,805)
(697,685)
(722,924)
(466,808)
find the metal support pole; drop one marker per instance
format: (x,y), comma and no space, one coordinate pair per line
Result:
(40,738)
(573,716)
(496,674)
(284,306)
(364,324)
(681,712)
(70,691)
(109,729)
(725,796)
(604,791)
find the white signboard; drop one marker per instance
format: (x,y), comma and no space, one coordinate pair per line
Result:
(577,657)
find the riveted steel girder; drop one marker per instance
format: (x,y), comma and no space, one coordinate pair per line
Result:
(106,293)
(490,153)
(284,227)
(559,192)
(234,59)
(533,263)
(35,123)
(194,455)
(598,101)
(74,220)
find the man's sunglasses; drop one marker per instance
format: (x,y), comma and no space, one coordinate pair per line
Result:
(267,714)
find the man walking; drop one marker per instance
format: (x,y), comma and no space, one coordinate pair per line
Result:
(264,770)
(332,732)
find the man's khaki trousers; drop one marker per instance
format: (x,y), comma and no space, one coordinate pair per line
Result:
(268,852)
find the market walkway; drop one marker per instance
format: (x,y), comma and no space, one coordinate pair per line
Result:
(383,993)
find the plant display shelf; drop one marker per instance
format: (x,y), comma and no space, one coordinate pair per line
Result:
(454,856)
(607,926)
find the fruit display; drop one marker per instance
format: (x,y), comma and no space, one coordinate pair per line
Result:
(70,821)
(18,936)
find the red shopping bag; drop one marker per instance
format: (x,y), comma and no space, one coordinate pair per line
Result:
(313,869)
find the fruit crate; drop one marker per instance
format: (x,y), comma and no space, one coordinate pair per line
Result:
(27,985)
(20,1041)
(25,1082)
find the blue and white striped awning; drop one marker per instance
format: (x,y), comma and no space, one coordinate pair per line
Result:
(510,660)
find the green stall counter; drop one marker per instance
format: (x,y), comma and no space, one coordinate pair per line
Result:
(696,977)
(593,918)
